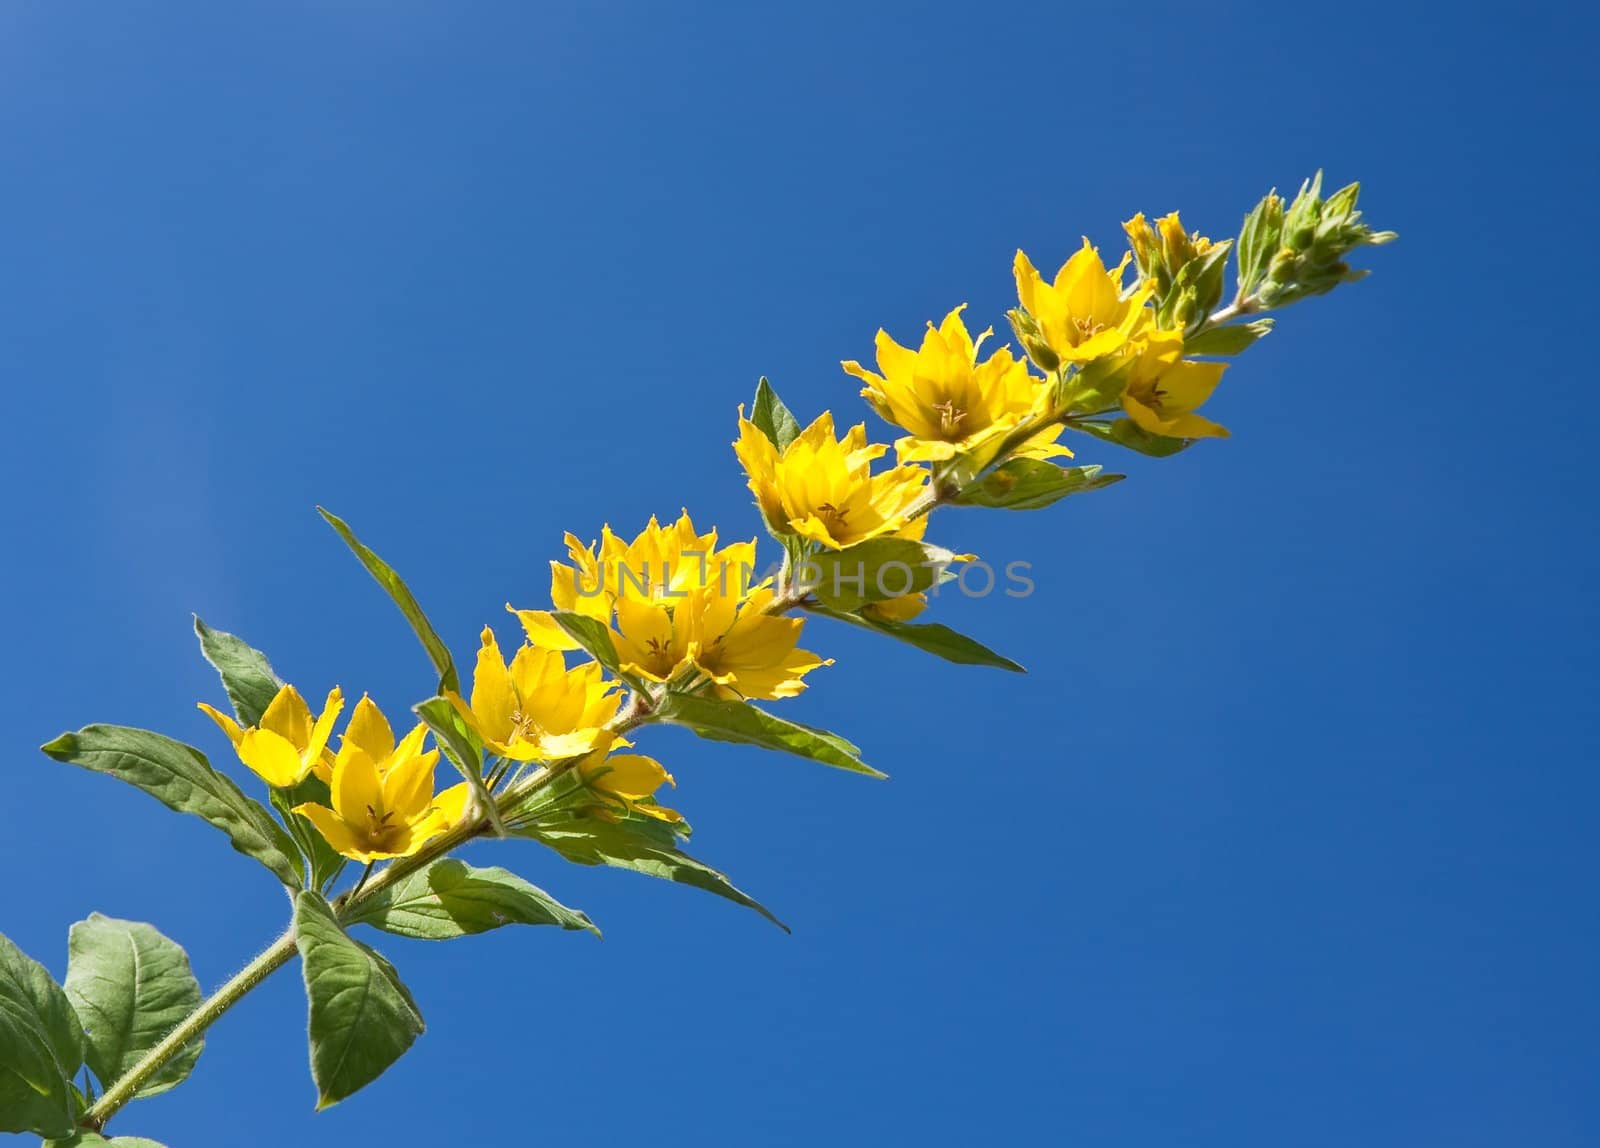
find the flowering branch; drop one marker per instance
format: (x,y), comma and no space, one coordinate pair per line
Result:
(669,627)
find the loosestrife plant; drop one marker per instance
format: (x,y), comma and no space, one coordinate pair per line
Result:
(673,625)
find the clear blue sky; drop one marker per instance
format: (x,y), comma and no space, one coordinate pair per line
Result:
(1288,837)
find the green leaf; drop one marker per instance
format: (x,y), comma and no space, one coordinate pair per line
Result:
(326,862)
(743,723)
(872,571)
(94,1139)
(1259,240)
(645,848)
(246,674)
(362,1017)
(390,581)
(772,418)
(180,777)
(595,637)
(1127,433)
(1227,340)
(592,634)
(1032,484)
(449,898)
(131,986)
(41,1047)
(936,639)
(463,749)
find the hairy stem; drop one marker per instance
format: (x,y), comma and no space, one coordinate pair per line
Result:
(275,957)
(280,951)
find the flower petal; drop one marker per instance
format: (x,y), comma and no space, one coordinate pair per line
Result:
(370,730)
(272,758)
(288,716)
(333,829)
(229,726)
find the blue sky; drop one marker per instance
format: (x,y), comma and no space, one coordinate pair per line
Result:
(1286,839)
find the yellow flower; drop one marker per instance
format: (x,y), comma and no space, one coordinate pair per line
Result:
(1162,257)
(1082,315)
(370,730)
(683,606)
(632,779)
(535,709)
(288,744)
(1177,245)
(1164,389)
(660,562)
(384,808)
(822,488)
(1146,246)
(951,403)
(727,636)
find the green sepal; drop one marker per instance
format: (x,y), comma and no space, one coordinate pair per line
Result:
(931,637)
(41,1048)
(744,724)
(772,418)
(180,777)
(1032,484)
(438,652)
(1127,433)
(1196,289)
(361,1017)
(131,986)
(1094,387)
(642,844)
(449,898)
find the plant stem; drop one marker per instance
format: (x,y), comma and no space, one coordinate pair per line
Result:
(1242,305)
(275,957)
(278,954)
(280,951)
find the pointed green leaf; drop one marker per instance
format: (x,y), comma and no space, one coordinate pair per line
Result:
(592,634)
(461,746)
(772,418)
(1259,239)
(326,863)
(362,1017)
(595,637)
(390,581)
(743,723)
(643,845)
(1126,432)
(449,898)
(932,637)
(180,777)
(1032,484)
(95,1140)
(872,571)
(246,674)
(1227,340)
(41,1047)
(131,986)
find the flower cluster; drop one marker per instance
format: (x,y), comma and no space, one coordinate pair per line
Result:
(674,626)
(1125,352)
